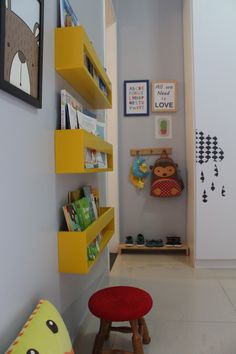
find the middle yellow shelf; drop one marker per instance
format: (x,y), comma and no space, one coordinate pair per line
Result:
(70,148)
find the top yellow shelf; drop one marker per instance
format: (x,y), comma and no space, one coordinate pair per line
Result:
(77,62)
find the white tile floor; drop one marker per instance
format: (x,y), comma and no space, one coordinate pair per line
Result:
(194,310)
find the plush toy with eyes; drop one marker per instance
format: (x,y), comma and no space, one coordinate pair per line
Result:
(166,181)
(138,172)
(44,333)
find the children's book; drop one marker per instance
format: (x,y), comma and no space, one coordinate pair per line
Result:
(82,206)
(67,99)
(92,207)
(75,195)
(67,11)
(73,122)
(90,158)
(101,159)
(71,216)
(95,193)
(101,130)
(87,123)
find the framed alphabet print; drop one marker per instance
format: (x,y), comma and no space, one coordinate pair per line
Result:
(21,49)
(164,96)
(136,98)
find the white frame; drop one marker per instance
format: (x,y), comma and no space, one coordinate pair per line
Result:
(164,96)
(158,134)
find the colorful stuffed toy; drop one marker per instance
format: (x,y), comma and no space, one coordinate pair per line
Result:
(44,333)
(138,172)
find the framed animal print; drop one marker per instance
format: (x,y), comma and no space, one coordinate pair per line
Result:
(21,49)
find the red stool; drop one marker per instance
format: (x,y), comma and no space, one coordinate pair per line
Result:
(118,304)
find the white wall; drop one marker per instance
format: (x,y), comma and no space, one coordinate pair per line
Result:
(150,47)
(214,54)
(32,196)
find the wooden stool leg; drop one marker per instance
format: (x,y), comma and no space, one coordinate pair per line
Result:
(143,330)
(136,338)
(108,331)
(100,337)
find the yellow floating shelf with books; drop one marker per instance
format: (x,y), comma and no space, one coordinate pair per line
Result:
(77,62)
(70,147)
(72,246)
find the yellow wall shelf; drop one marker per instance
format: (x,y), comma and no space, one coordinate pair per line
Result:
(70,148)
(72,47)
(72,246)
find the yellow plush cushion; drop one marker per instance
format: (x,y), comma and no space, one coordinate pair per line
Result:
(43,333)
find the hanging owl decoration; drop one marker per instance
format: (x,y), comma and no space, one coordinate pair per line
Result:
(138,172)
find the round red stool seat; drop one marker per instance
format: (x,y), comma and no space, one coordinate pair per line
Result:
(120,303)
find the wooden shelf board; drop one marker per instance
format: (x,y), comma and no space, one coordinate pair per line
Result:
(184,247)
(70,147)
(150,151)
(71,46)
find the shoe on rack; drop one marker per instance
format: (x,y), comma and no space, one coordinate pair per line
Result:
(140,240)
(173,240)
(158,243)
(150,243)
(129,241)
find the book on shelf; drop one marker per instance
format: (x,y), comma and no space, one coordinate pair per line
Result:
(75,195)
(87,123)
(103,87)
(88,65)
(93,249)
(66,13)
(89,113)
(72,114)
(95,193)
(101,159)
(68,100)
(92,206)
(82,206)
(90,158)
(101,130)
(71,217)
(96,77)
(94,159)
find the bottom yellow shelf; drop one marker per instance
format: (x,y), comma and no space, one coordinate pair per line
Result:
(72,246)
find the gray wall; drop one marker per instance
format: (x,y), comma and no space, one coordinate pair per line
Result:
(149,47)
(32,196)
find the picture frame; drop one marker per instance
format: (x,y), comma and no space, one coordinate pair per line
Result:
(21,49)
(164,96)
(163,127)
(136,98)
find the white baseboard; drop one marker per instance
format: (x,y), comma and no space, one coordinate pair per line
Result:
(216,263)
